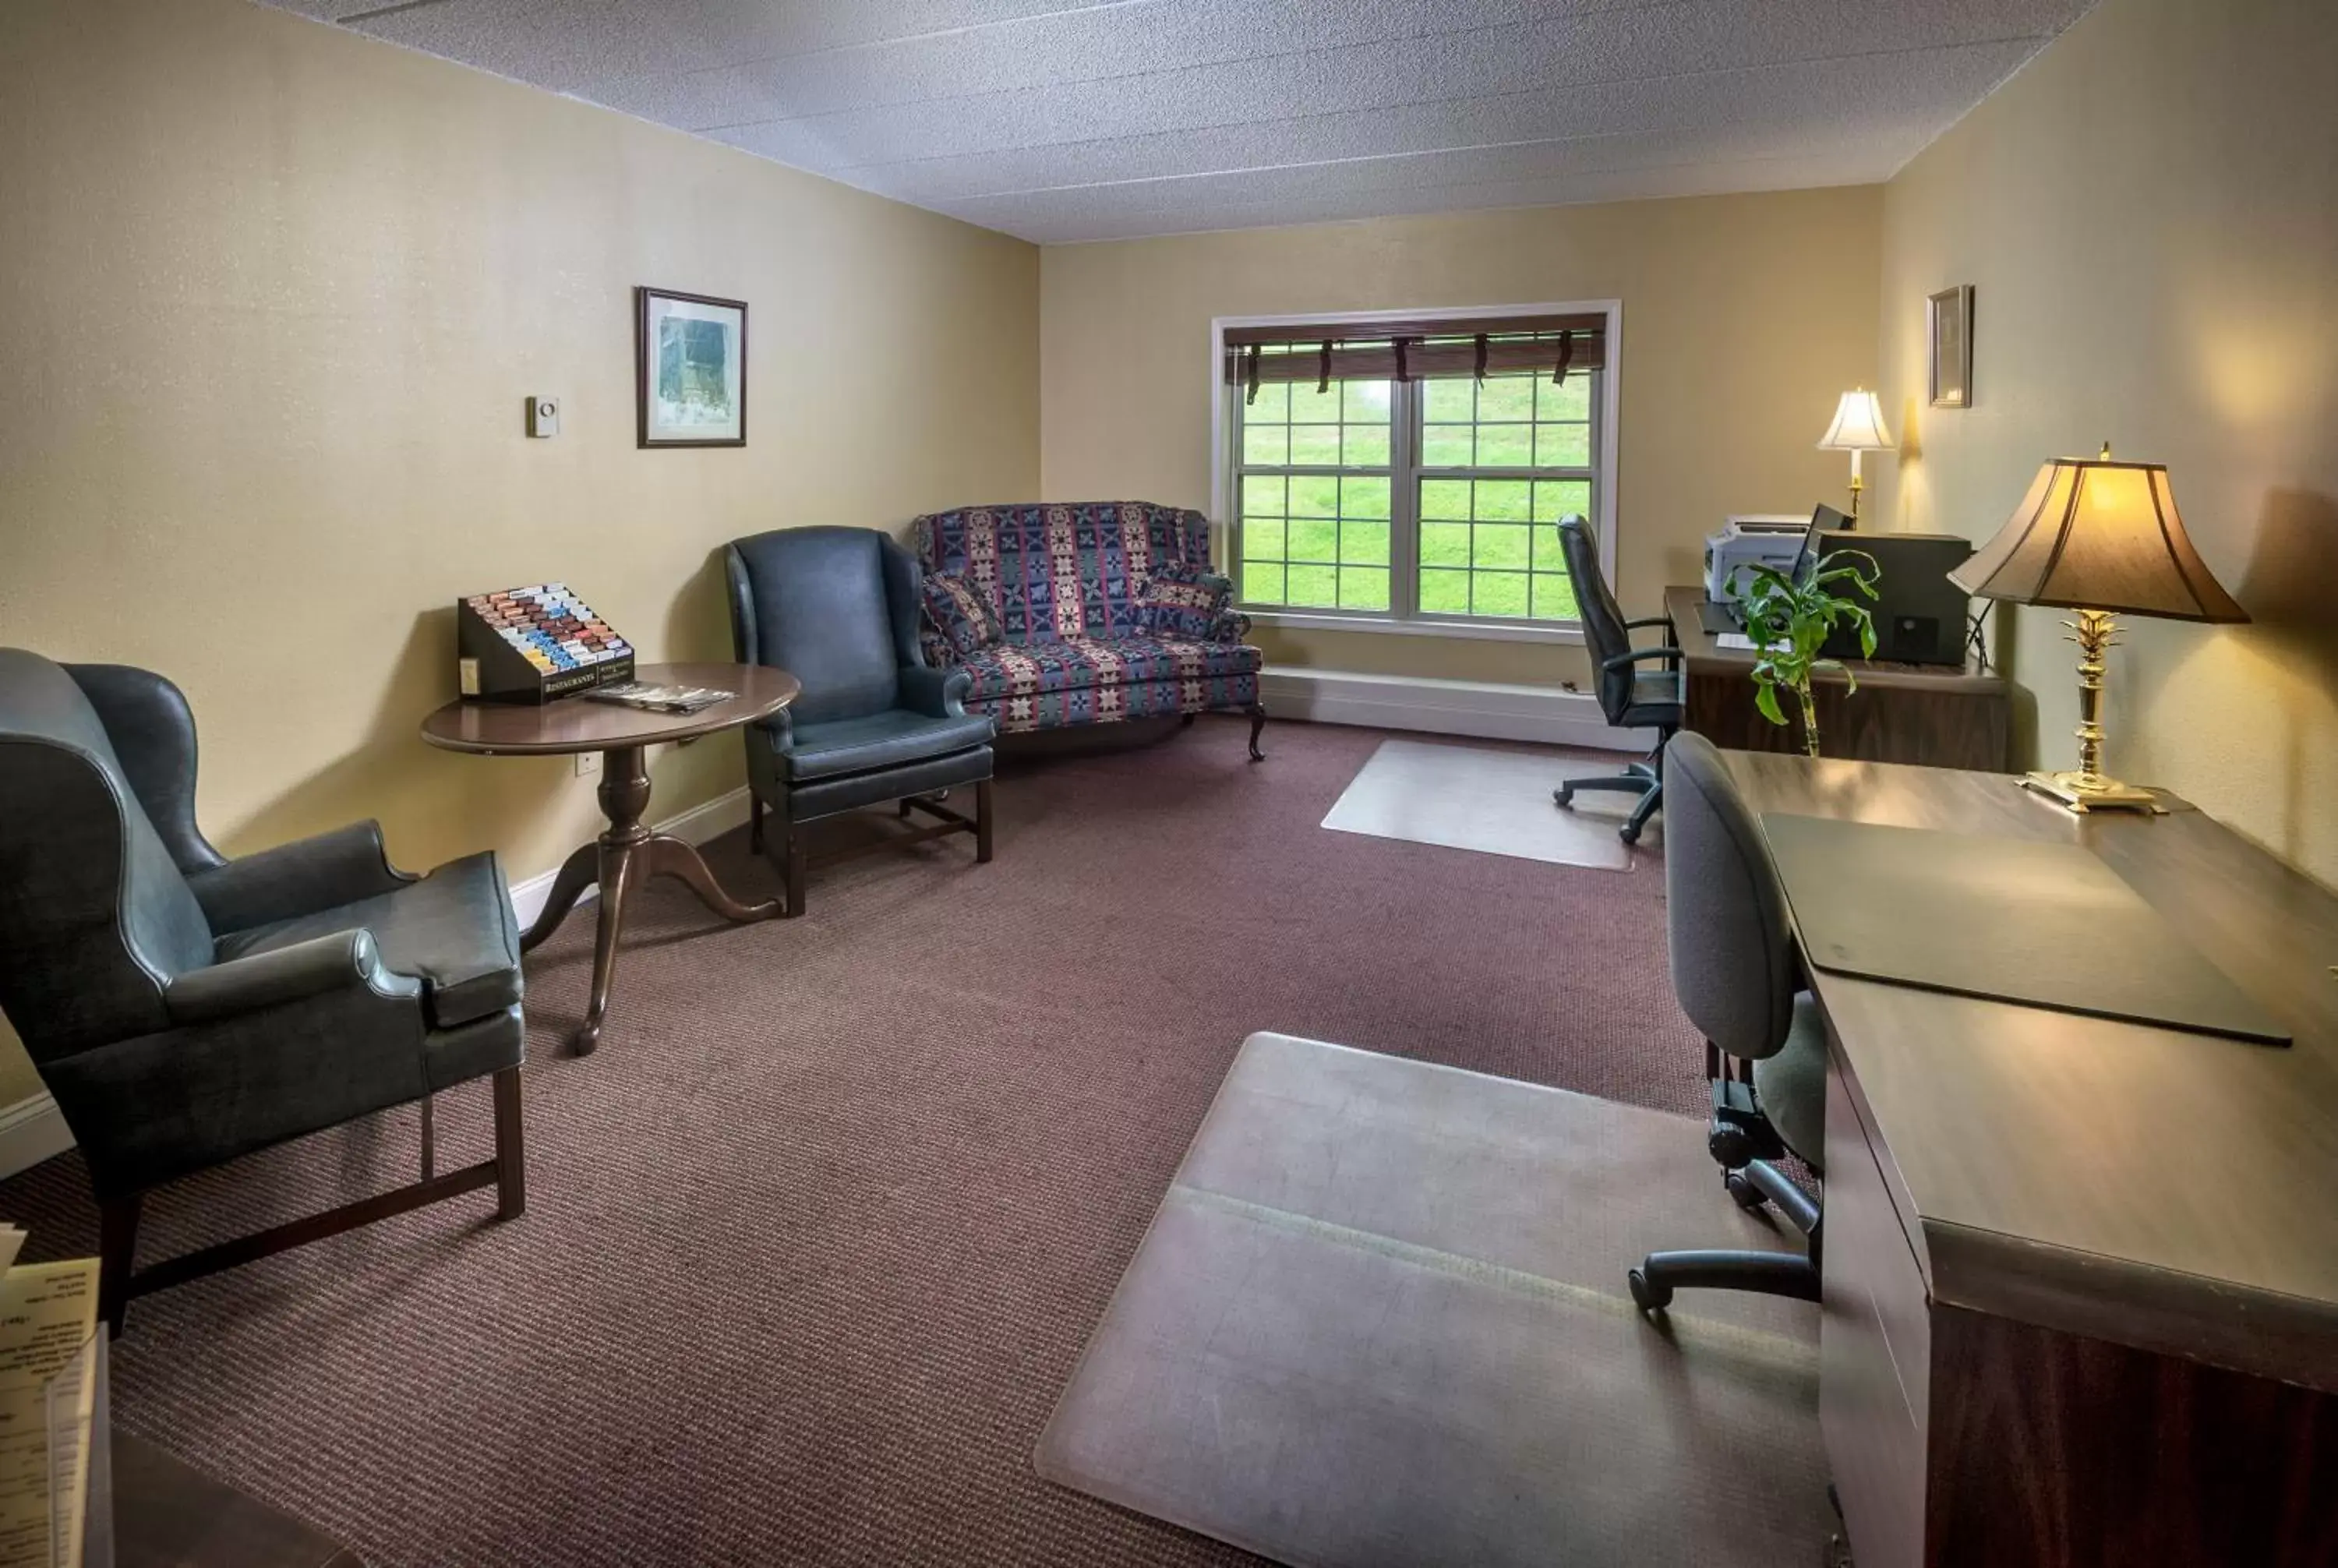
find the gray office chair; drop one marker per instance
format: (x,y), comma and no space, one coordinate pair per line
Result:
(1734,970)
(1631,698)
(837,609)
(185,1009)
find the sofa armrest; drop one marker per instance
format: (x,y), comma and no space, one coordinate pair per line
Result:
(1229,626)
(935,693)
(298,878)
(343,961)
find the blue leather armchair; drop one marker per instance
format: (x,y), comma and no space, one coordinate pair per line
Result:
(184,1009)
(837,609)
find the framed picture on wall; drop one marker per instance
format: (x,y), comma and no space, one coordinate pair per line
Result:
(1951,323)
(690,369)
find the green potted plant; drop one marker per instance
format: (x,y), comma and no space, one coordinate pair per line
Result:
(1790,620)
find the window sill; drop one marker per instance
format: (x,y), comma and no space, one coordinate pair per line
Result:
(1480,631)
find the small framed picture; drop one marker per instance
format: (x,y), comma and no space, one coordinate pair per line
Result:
(690,369)
(1951,313)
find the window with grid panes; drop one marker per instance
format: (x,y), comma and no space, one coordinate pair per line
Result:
(1428,499)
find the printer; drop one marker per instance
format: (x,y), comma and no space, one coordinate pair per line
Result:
(1747,541)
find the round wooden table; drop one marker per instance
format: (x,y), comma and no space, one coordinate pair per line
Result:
(626,852)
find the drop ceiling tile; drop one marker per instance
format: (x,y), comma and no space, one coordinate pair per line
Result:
(1462,167)
(1622,185)
(1065,120)
(1642,44)
(1918,92)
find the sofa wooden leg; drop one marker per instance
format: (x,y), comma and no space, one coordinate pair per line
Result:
(117,1255)
(982,823)
(1257,711)
(511,1155)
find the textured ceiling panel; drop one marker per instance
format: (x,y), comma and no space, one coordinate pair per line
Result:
(1059,120)
(1876,103)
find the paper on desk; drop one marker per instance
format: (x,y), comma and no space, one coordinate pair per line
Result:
(48,1388)
(12,1241)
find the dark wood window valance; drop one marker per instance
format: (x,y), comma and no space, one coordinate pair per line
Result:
(1416,350)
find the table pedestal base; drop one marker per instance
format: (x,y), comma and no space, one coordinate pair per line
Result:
(622,858)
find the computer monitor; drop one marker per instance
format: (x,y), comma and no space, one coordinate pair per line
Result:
(1824,519)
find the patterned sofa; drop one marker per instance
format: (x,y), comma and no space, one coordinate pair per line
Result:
(1074,593)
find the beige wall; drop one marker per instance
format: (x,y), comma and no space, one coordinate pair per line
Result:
(1745,319)
(2149,214)
(274,295)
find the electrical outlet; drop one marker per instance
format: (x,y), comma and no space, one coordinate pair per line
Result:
(588,764)
(543,417)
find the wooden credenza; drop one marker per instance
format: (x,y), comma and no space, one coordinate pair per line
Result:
(1928,714)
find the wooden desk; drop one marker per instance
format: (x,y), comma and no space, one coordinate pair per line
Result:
(2080,1276)
(1924,713)
(627,851)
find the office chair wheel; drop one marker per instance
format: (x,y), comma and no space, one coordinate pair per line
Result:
(1749,1197)
(1629,833)
(1730,1146)
(1647,1294)
(1564,795)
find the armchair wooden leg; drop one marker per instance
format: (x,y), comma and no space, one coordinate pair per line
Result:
(982,823)
(117,1226)
(511,1156)
(792,860)
(117,1255)
(1257,711)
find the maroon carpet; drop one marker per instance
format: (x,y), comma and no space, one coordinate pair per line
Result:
(813,1241)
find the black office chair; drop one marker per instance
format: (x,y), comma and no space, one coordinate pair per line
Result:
(1631,698)
(1734,970)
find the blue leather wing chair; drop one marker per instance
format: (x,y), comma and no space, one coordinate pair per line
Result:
(185,1009)
(837,609)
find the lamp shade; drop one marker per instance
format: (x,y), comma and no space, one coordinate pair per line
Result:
(1857,426)
(2095,535)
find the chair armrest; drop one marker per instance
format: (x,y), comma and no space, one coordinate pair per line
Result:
(935,693)
(1663,621)
(298,878)
(1626,660)
(342,961)
(1228,626)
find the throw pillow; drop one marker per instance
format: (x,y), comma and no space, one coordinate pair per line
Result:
(1182,599)
(962,612)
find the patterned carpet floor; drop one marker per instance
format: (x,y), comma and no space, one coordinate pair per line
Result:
(813,1241)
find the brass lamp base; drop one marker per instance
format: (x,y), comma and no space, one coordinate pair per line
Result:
(2081,791)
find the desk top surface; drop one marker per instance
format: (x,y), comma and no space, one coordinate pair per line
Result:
(580,724)
(1703,653)
(2172,1190)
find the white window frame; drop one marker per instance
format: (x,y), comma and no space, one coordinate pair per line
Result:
(1224,473)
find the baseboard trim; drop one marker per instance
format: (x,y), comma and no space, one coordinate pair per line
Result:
(699,825)
(32,1129)
(1484,708)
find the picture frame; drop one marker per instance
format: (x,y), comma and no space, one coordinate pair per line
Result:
(1950,330)
(690,369)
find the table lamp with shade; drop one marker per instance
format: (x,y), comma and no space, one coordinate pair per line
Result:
(1858,427)
(2102,539)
